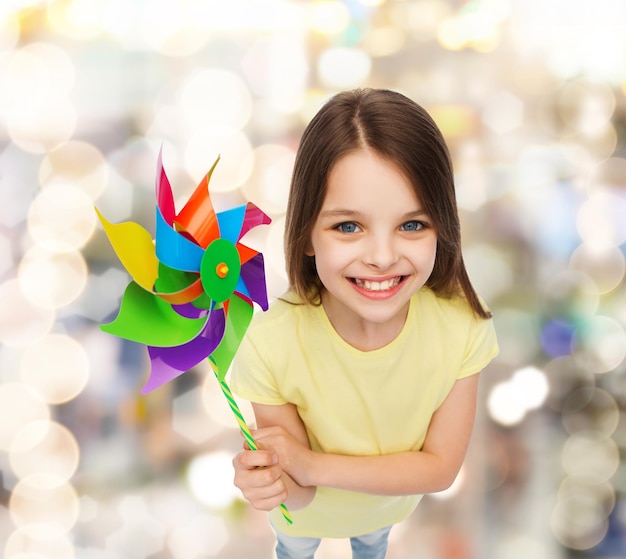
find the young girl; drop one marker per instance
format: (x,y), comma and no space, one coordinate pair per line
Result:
(363,378)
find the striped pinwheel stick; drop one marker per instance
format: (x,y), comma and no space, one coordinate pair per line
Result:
(245,431)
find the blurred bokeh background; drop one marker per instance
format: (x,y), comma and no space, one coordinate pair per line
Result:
(530,95)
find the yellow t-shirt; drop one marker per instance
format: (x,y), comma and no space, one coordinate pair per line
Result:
(359,403)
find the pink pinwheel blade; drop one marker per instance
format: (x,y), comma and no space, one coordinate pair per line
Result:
(164,196)
(169,362)
(254,216)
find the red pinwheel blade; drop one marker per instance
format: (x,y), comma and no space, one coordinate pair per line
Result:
(198,218)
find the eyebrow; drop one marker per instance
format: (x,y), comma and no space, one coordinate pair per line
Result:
(345,213)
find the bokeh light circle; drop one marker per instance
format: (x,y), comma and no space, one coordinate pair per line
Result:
(590,457)
(44,499)
(44,447)
(344,67)
(52,280)
(22,322)
(578,524)
(590,409)
(234,149)
(213,97)
(605,266)
(57,367)
(586,106)
(269,182)
(38,541)
(80,19)
(172,28)
(216,406)
(600,344)
(42,128)
(76,163)
(62,218)
(35,76)
(20,405)
(205,477)
(600,221)
(571,295)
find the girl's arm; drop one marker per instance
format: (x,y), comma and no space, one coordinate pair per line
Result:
(259,475)
(431,469)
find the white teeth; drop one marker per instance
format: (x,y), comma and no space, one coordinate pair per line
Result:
(377,285)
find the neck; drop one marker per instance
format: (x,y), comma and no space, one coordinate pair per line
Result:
(362,334)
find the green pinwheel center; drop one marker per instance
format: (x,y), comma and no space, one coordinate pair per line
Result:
(219,270)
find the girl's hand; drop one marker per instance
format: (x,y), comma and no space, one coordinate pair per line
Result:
(259,476)
(294,458)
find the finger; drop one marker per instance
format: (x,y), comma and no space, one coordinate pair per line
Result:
(266,497)
(251,459)
(273,430)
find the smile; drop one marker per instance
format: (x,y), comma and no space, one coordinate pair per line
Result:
(370,285)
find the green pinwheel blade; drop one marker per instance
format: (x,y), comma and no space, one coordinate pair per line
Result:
(171,280)
(237,321)
(147,319)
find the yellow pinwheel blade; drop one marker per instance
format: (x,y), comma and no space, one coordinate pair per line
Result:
(135,249)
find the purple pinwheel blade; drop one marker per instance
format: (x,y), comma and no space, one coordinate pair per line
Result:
(188,310)
(169,362)
(253,275)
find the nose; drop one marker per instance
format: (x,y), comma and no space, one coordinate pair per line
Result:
(381,252)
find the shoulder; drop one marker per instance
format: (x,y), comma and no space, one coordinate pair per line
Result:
(284,315)
(451,316)
(434,306)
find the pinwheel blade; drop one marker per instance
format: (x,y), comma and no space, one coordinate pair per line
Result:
(164,196)
(231,222)
(145,318)
(135,249)
(177,287)
(174,250)
(254,216)
(253,275)
(237,320)
(169,362)
(198,217)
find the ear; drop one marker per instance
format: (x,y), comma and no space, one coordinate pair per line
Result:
(309,249)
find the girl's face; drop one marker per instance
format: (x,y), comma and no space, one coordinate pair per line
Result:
(374,247)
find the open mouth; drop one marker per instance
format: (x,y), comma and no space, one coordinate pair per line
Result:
(385,285)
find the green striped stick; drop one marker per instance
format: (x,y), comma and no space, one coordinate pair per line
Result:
(245,431)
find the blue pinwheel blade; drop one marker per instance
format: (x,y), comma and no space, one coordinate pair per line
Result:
(174,250)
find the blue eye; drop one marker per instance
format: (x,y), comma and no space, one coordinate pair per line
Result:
(348,227)
(412,226)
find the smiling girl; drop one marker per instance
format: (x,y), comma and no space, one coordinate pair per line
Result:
(363,377)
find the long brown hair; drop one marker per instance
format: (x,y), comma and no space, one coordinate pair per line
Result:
(400,131)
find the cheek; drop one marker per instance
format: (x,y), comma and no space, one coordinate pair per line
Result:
(429,256)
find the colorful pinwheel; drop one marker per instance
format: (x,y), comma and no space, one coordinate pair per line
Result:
(193,288)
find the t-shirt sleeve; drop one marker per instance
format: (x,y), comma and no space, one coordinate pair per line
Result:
(252,375)
(481,347)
